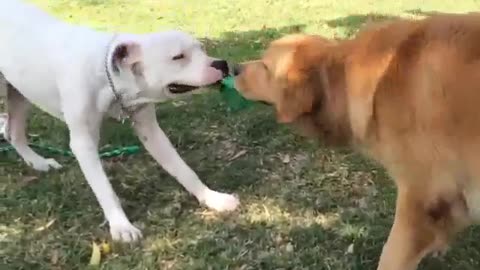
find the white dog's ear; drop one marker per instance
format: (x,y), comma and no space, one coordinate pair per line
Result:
(126,55)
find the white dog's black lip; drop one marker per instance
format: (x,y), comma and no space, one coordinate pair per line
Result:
(181,88)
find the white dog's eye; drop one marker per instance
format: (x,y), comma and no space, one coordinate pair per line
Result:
(178,57)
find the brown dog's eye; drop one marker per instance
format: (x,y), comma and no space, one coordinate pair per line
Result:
(178,57)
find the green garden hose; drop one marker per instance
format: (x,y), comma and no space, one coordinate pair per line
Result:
(115,152)
(234,100)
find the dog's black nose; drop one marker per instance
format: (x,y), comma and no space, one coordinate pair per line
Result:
(237,69)
(221,65)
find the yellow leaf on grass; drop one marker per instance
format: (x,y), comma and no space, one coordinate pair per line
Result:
(106,249)
(96,254)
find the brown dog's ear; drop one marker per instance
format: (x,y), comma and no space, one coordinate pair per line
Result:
(306,87)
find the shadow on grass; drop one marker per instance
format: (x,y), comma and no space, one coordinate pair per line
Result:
(419,12)
(265,246)
(352,23)
(240,46)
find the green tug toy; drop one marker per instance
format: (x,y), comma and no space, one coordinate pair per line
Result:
(234,100)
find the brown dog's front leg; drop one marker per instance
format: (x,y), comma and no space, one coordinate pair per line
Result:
(410,238)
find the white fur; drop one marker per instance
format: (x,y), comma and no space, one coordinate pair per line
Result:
(60,68)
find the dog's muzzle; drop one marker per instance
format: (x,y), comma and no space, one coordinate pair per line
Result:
(220,65)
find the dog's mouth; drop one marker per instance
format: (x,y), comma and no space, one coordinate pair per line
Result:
(176,88)
(181,88)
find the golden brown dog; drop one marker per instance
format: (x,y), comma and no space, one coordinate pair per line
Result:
(406,93)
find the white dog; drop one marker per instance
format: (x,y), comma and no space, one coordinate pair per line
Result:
(80,75)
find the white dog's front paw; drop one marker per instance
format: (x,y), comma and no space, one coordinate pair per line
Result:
(125,232)
(221,201)
(44,164)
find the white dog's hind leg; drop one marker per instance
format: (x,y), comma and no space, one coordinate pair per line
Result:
(159,146)
(14,127)
(84,135)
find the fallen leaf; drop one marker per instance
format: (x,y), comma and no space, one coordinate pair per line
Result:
(362,203)
(106,249)
(167,264)
(46,226)
(289,247)
(96,254)
(278,239)
(54,257)
(3,122)
(237,155)
(179,103)
(103,224)
(350,249)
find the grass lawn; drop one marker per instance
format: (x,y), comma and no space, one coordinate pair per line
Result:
(303,206)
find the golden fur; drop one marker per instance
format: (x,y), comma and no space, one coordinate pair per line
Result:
(407,94)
